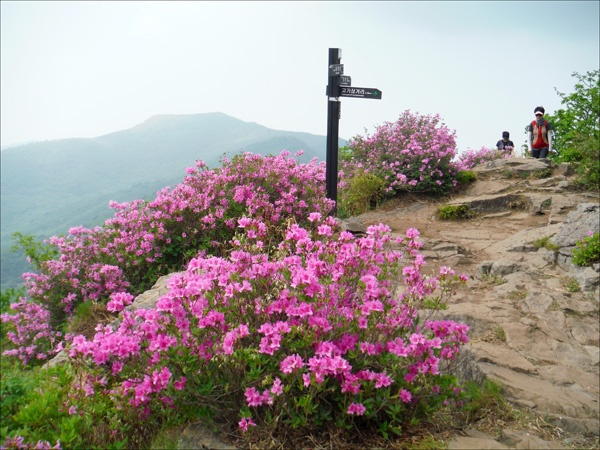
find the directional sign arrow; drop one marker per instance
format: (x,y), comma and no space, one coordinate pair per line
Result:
(359,92)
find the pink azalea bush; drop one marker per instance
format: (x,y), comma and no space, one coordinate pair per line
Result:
(325,328)
(278,320)
(145,240)
(30,332)
(471,158)
(414,153)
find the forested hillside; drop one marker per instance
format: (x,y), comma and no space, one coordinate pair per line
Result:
(48,187)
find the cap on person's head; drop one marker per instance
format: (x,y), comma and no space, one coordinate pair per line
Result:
(505,134)
(539,109)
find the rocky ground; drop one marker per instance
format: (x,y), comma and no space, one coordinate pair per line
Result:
(533,315)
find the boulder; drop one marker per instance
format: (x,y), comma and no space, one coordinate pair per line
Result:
(582,221)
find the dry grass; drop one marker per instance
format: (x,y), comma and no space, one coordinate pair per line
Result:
(88,317)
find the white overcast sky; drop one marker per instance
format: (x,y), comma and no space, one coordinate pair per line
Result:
(84,68)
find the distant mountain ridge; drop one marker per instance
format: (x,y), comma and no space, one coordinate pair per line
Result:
(49,186)
(16,144)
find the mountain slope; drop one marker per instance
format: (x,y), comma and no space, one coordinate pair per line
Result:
(47,187)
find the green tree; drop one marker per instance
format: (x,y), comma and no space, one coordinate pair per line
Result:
(581,115)
(36,251)
(577,128)
(8,296)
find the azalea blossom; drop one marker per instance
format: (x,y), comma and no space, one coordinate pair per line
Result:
(357,409)
(405,396)
(245,423)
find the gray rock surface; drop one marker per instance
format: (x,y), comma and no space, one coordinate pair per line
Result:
(534,317)
(585,219)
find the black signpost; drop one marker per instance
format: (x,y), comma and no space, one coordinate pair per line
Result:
(338,86)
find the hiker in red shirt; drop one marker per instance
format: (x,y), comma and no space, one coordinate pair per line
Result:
(540,134)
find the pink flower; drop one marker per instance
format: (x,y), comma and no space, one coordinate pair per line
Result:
(291,363)
(445,270)
(244,222)
(161,379)
(324,230)
(306,379)
(356,409)
(417,339)
(245,423)
(351,384)
(118,301)
(405,396)
(253,398)
(412,233)
(180,385)
(277,387)
(362,322)
(117,367)
(382,380)
(266,397)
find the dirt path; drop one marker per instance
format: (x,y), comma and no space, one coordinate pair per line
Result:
(533,318)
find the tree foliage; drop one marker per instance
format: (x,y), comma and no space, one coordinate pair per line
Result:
(577,128)
(581,115)
(36,252)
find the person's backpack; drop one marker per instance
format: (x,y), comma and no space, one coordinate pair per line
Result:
(533,122)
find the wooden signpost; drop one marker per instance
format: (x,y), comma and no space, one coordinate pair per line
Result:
(338,86)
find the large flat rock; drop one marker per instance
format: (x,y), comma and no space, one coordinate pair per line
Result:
(533,317)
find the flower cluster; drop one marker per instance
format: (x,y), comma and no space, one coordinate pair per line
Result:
(30,332)
(471,158)
(330,319)
(145,240)
(412,154)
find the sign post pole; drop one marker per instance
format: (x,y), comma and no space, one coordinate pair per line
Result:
(333,125)
(338,86)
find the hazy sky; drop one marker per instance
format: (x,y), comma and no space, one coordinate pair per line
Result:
(84,69)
